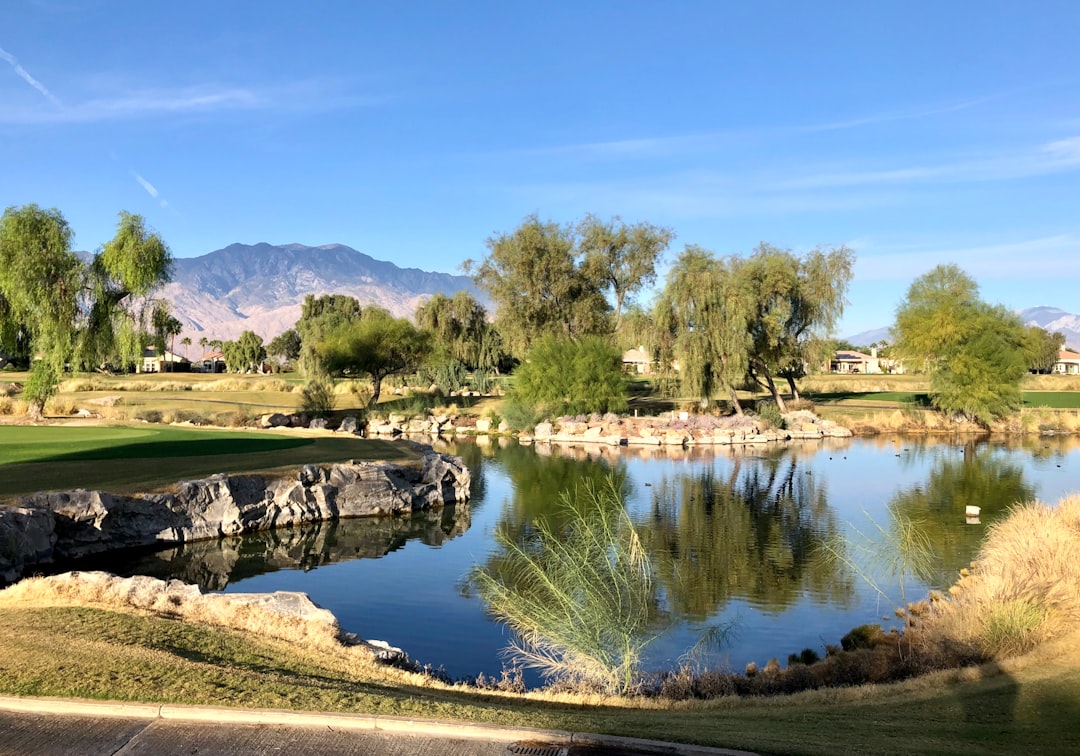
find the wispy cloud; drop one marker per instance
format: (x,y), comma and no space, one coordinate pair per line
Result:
(25,76)
(1043,258)
(150,189)
(1052,157)
(681,144)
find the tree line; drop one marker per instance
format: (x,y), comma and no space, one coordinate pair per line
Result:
(566,306)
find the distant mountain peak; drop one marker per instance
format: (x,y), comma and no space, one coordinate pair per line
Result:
(261,287)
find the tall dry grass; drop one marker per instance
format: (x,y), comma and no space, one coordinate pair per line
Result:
(1022,590)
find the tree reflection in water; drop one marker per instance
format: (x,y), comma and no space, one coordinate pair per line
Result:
(754,535)
(979,474)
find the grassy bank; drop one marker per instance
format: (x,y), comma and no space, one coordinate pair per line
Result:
(1028,703)
(148,457)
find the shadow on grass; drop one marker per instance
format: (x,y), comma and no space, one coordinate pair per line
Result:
(176,448)
(902,397)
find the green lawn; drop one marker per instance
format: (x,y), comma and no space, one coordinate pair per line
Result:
(1052,399)
(123,458)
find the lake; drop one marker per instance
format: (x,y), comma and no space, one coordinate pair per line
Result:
(735,535)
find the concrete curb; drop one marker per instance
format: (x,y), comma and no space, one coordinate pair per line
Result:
(370,722)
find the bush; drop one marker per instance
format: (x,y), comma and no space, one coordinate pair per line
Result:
(568,377)
(317,398)
(578,594)
(770,413)
(482,381)
(148,415)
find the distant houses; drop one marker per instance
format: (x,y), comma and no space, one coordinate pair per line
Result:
(1068,363)
(638,361)
(166,362)
(852,361)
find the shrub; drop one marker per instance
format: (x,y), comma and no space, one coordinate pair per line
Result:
(578,595)
(482,381)
(148,415)
(317,398)
(567,377)
(770,413)
(1012,628)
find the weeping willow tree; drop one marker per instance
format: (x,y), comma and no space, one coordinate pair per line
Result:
(579,595)
(69,311)
(702,326)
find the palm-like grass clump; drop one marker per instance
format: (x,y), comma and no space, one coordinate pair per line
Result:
(578,594)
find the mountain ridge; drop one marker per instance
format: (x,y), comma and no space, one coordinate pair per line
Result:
(261,287)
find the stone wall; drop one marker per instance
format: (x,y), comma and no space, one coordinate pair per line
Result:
(46,526)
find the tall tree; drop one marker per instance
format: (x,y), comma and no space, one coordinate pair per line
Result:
(622,258)
(798,302)
(375,344)
(319,317)
(246,354)
(702,325)
(165,329)
(975,352)
(39,280)
(286,346)
(1041,348)
(66,311)
(533,275)
(460,328)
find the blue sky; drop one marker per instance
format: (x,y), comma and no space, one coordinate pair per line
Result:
(914,132)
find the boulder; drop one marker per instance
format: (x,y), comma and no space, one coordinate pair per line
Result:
(317,423)
(543,431)
(275,420)
(483,425)
(45,526)
(348,425)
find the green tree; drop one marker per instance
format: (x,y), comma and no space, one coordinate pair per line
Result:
(376,344)
(1041,348)
(117,295)
(60,310)
(798,301)
(974,351)
(622,258)
(165,329)
(319,317)
(571,376)
(538,286)
(286,346)
(702,326)
(460,329)
(186,343)
(246,354)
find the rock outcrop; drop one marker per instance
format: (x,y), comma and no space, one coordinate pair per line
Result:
(47,526)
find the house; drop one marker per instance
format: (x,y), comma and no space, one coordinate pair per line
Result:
(851,361)
(167,362)
(637,361)
(1068,363)
(211,362)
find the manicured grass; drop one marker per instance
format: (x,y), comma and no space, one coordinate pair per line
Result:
(1028,707)
(1052,399)
(122,458)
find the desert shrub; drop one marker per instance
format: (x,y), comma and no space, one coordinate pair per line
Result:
(317,398)
(863,636)
(770,413)
(187,416)
(60,406)
(482,381)
(568,376)
(519,416)
(7,406)
(1023,589)
(1012,628)
(578,595)
(148,415)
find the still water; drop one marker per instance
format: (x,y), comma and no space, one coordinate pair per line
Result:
(735,536)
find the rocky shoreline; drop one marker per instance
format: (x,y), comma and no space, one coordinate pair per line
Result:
(44,527)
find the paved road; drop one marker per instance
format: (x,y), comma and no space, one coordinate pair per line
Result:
(65,735)
(59,727)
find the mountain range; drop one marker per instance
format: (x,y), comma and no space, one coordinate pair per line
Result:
(1052,319)
(261,287)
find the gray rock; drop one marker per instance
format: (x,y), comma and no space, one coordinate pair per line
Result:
(348,425)
(72,524)
(318,423)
